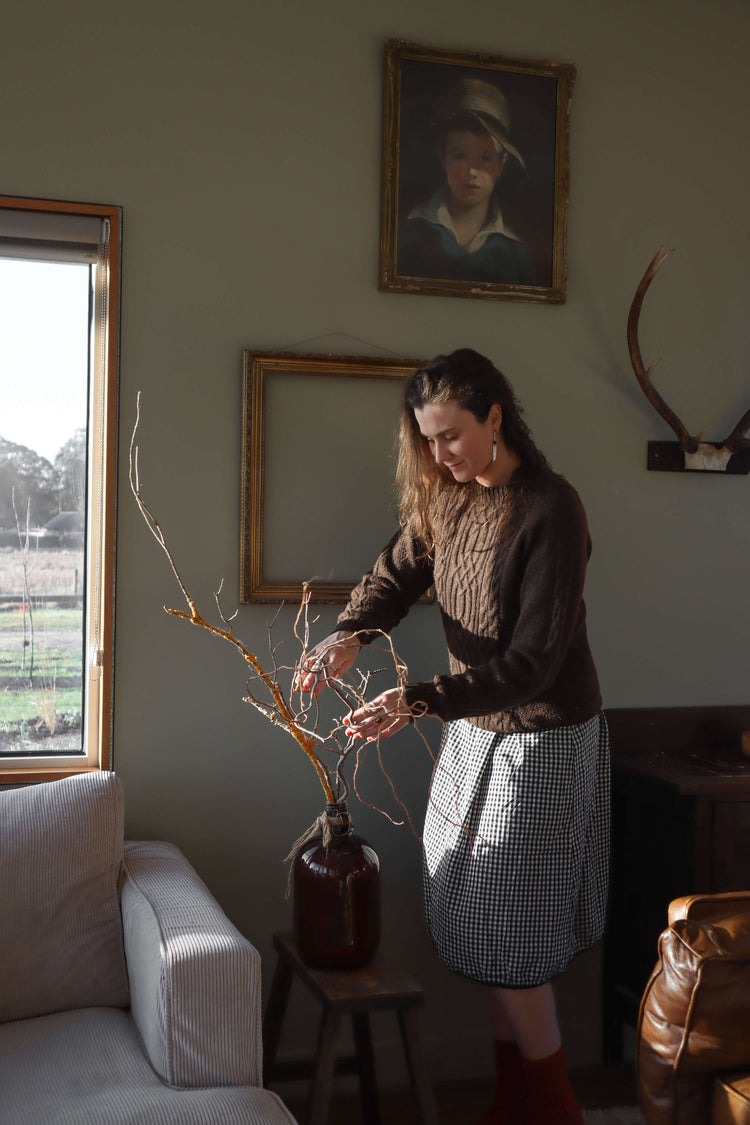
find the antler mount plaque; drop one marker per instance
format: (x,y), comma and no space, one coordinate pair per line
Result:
(688,453)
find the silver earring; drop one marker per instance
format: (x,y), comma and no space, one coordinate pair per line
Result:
(494,445)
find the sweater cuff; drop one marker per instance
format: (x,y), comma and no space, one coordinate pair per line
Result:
(421,698)
(364,636)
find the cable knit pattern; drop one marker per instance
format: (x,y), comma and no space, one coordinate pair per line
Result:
(510,591)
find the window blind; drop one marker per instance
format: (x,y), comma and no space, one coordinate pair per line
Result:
(49,236)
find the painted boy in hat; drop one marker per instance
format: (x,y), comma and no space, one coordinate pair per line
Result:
(459,232)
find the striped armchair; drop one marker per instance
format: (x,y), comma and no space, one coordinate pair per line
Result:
(126,995)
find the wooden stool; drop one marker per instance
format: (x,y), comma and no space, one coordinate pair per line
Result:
(378,986)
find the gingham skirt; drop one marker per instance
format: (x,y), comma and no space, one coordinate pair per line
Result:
(516,850)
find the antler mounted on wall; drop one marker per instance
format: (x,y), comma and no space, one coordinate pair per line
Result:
(688,453)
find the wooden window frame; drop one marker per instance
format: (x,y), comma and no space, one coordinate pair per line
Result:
(101,578)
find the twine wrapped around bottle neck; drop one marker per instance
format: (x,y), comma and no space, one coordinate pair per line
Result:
(319,827)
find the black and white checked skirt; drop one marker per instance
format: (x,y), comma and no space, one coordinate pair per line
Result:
(516,850)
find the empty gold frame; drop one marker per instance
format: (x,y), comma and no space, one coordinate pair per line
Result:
(318,463)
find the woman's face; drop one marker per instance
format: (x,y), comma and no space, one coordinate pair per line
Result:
(458,440)
(472,164)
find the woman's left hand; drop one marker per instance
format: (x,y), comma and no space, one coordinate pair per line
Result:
(380,718)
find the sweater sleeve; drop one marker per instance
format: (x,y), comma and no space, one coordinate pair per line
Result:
(546,565)
(400,576)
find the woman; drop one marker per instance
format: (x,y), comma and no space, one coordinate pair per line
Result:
(516,833)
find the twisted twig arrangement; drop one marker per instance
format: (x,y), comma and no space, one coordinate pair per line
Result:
(302,721)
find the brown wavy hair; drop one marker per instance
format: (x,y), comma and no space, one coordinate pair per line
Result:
(472,381)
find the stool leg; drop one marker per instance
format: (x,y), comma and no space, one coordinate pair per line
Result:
(409,1023)
(323,1068)
(368,1086)
(274,1017)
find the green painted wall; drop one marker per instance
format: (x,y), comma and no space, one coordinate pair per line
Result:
(243,141)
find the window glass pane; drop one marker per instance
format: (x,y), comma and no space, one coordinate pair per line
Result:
(44,378)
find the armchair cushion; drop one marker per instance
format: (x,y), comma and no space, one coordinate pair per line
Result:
(60,921)
(88,1068)
(194,979)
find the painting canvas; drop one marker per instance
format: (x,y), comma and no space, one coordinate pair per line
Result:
(475,174)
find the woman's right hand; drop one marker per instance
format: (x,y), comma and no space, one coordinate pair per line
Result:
(327,660)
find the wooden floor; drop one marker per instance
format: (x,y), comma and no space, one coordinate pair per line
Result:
(460,1103)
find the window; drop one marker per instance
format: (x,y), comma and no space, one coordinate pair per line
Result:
(59,302)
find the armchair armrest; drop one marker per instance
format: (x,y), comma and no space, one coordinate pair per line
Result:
(195,983)
(694,1018)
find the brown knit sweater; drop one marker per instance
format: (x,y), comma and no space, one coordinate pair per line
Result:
(510,593)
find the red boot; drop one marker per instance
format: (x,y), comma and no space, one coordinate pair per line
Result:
(509,1106)
(551,1098)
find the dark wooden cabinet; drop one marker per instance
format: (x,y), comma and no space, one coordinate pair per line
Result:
(680,825)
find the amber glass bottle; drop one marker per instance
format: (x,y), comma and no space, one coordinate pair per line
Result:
(337,897)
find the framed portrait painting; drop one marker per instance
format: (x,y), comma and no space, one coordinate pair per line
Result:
(475,174)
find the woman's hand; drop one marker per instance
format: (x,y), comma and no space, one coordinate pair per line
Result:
(380,718)
(327,660)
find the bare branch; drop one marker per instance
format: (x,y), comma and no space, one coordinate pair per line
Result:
(337,741)
(281,714)
(368,804)
(217,596)
(389,779)
(151,521)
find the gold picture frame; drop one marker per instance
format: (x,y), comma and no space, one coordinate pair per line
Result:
(318,461)
(434,98)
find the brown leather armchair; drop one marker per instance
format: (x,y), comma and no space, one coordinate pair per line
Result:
(693,1047)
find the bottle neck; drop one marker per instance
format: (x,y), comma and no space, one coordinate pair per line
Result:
(337,813)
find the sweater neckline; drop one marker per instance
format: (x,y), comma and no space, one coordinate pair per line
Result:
(492,492)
